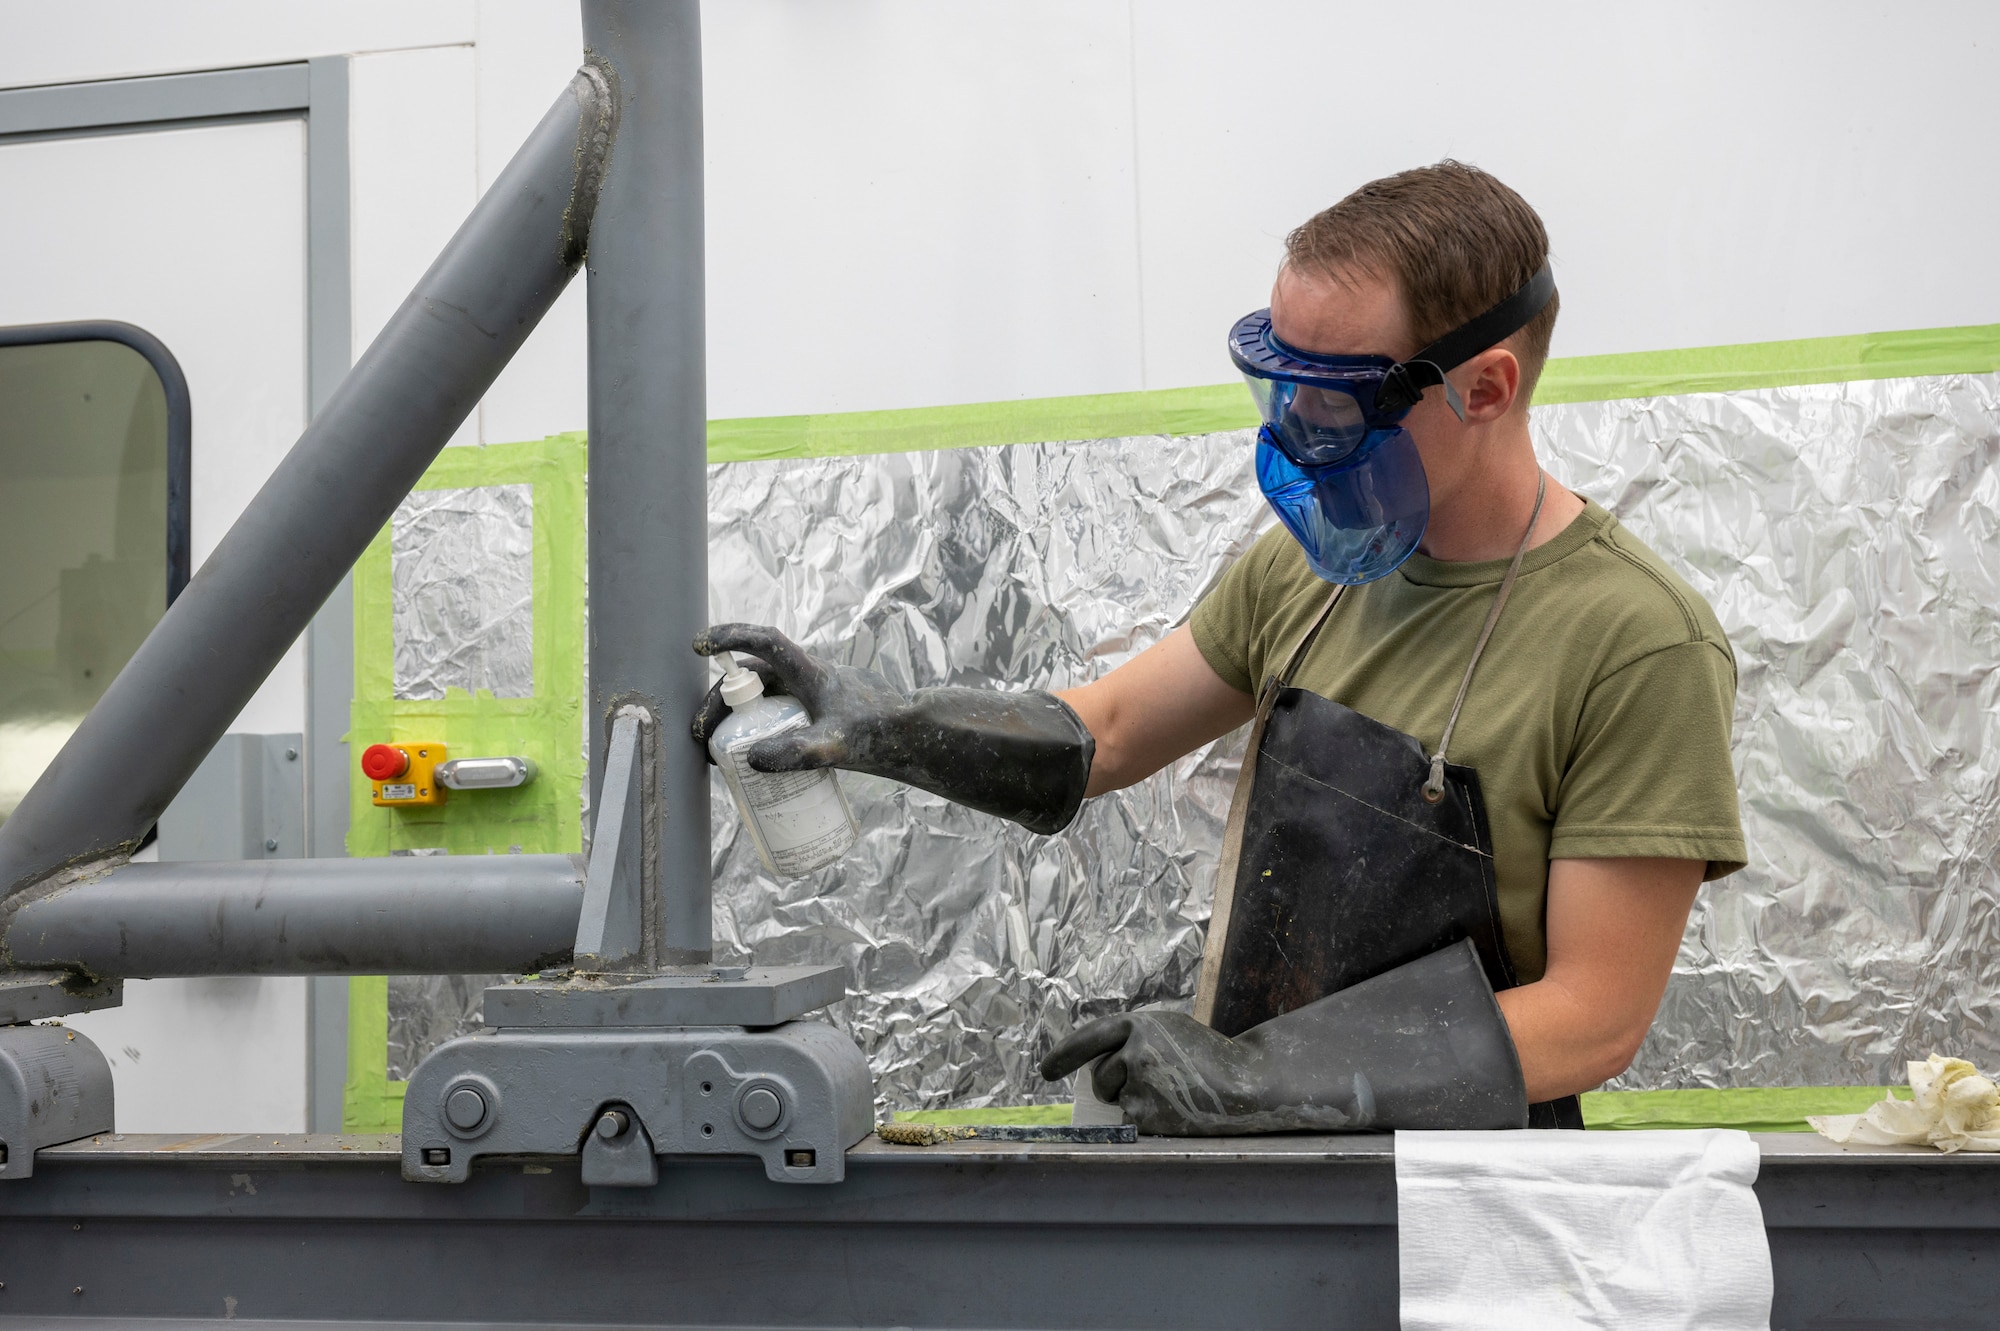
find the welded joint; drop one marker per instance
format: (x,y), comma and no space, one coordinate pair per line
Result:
(652,828)
(596,89)
(62,880)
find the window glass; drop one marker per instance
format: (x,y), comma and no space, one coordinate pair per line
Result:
(83,538)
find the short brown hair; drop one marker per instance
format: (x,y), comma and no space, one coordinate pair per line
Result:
(1455,241)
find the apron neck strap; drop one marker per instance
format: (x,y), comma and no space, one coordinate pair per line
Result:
(1434,786)
(1284,676)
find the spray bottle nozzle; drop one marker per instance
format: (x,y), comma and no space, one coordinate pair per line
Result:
(738,685)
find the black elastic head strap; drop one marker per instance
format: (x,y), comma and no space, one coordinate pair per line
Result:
(1405,383)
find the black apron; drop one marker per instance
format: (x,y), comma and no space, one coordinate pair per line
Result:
(1349,853)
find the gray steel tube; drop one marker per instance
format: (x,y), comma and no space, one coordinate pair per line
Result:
(327,499)
(405,915)
(649,445)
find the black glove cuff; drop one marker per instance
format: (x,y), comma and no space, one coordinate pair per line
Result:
(1021,756)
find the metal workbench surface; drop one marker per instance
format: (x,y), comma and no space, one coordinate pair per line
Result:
(1242,1232)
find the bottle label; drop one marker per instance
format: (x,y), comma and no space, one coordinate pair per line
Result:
(804,821)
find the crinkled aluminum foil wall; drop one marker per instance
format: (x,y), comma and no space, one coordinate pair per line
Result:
(462,578)
(1036,565)
(427,1010)
(1848,536)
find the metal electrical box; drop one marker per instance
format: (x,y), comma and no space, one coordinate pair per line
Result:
(246,801)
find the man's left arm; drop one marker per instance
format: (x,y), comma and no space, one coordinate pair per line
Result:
(1647,809)
(1614,927)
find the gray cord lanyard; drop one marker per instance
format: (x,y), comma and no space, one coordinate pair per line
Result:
(1434,787)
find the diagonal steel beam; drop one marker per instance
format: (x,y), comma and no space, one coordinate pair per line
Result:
(357,459)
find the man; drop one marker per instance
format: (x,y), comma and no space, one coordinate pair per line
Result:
(1490,761)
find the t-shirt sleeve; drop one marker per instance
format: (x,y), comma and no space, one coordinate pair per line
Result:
(1650,773)
(1225,622)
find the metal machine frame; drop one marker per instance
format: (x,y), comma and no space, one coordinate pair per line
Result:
(1270,1232)
(621,1056)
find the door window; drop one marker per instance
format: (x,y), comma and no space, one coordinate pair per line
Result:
(93,524)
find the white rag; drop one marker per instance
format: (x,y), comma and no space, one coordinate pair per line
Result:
(1638,1231)
(1952,1108)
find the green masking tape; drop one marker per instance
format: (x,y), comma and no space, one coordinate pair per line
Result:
(1751,1108)
(1216,407)
(542,817)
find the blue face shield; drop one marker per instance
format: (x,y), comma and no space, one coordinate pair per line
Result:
(1333,458)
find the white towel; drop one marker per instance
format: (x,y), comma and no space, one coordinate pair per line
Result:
(1541,1231)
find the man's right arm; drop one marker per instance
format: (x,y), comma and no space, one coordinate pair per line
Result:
(1164,702)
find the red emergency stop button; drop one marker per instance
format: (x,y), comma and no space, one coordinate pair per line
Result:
(384,762)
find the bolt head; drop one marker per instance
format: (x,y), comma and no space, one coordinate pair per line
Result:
(270,843)
(611,1125)
(465,1108)
(761,1109)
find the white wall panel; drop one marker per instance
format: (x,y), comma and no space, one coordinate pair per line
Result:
(413,136)
(198,236)
(914,203)
(528,50)
(1710,173)
(42,42)
(213,1055)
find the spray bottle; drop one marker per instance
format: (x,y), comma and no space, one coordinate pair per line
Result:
(799,820)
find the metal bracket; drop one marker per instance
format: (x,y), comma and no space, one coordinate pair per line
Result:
(245,802)
(796,1096)
(618,929)
(619,979)
(55,1086)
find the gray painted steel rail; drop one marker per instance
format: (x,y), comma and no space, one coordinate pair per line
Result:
(419,915)
(648,477)
(1259,1232)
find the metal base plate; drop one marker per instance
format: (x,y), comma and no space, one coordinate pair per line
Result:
(796,1097)
(764,996)
(34,995)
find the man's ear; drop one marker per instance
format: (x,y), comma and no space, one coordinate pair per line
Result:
(1489,383)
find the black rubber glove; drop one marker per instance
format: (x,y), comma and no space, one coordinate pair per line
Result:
(1421,1046)
(1021,756)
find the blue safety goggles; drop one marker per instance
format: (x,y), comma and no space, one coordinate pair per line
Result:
(1333,458)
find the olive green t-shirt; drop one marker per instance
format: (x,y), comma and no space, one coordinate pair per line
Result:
(1598,719)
